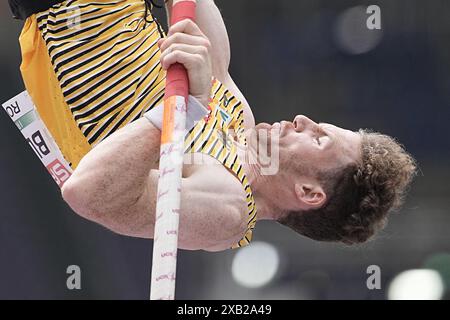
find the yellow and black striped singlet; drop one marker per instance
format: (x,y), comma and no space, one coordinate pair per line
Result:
(92,67)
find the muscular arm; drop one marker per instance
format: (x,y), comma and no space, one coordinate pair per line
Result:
(114,176)
(116,186)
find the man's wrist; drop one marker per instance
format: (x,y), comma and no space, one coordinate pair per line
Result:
(204,101)
(196,111)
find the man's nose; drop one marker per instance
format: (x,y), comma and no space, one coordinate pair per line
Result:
(302,123)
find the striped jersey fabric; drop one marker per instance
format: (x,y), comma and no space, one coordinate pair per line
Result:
(105,56)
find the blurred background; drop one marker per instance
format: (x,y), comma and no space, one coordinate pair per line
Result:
(288,57)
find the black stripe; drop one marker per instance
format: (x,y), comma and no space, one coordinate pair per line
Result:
(105,125)
(81,75)
(70,2)
(218,89)
(234,162)
(82,6)
(223,96)
(220,151)
(198,138)
(213,145)
(44,15)
(72,35)
(239,170)
(97,56)
(204,144)
(190,147)
(138,116)
(119,123)
(100,117)
(86,41)
(150,73)
(82,21)
(88,130)
(151,87)
(51,47)
(252,214)
(224,161)
(40,18)
(58,22)
(237,105)
(109,88)
(105,103)
(206,138)
(155,103)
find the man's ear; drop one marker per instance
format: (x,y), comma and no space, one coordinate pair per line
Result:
(310,196)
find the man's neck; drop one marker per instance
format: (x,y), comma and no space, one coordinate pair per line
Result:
(261,185)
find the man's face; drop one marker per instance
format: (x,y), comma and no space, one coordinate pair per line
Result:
(314,147)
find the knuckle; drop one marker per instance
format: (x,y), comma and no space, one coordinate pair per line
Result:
(173,47)
(207,44)
(203,51)
(198,58)
(189,23)
(177,26)
(176,37)
(177,54)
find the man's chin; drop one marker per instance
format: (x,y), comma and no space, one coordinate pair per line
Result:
(263,126)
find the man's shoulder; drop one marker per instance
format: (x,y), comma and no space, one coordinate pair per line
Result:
(220,187)
(212,176)
(218,209)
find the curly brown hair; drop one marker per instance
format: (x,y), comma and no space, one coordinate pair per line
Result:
(360,195)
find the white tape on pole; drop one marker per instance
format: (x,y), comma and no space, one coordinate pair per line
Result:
(168,209)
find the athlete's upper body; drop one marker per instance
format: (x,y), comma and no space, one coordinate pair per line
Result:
(332,184)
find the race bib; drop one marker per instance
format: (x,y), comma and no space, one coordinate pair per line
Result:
(23,113)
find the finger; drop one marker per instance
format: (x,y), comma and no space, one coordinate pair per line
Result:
(186,39)
(184,48)
(189,60)
(186,26)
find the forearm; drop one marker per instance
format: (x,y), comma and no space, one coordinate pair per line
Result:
(115,173)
